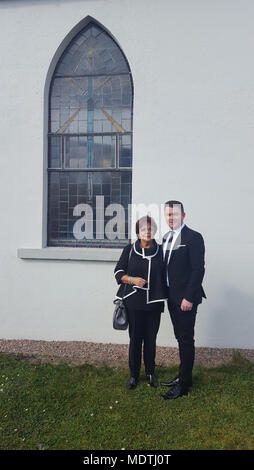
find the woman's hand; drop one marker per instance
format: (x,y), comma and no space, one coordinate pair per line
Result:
(134,281)
(138,281)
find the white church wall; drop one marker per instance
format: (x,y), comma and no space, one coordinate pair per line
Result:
(193,140)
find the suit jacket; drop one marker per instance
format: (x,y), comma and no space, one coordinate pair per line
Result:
(186,267)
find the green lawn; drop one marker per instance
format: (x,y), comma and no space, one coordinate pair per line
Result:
(45,406)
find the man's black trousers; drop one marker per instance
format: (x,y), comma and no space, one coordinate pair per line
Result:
(143,328)
(183,324)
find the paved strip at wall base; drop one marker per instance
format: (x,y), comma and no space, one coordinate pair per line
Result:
(113,355)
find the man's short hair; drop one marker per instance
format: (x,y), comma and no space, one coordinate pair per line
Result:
(172,203)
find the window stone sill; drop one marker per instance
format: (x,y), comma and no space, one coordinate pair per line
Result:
(78,254)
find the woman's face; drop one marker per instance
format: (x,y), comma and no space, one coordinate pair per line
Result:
(146,232)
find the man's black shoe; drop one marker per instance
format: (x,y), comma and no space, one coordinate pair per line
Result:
(132,383)
(151,379)
(174,393)
(171,383)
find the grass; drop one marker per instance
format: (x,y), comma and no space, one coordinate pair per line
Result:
(53,407)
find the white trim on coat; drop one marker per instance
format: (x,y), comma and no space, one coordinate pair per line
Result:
(147,289)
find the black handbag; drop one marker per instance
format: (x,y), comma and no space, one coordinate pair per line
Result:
(120,316)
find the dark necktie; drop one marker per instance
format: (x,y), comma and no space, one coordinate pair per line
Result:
(168,248)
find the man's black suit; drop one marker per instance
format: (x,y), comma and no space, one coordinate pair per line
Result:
(185,271)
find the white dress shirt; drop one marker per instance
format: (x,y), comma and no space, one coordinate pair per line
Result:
(176,233)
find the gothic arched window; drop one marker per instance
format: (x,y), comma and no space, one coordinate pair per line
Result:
(89,142)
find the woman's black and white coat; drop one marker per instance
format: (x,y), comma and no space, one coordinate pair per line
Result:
(148,264)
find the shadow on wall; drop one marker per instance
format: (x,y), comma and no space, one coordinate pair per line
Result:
(230,321)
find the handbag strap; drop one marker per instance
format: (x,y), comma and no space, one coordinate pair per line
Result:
(125,285)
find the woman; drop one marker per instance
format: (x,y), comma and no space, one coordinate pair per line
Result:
(139,272)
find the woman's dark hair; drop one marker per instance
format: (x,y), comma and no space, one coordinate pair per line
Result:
(144,221)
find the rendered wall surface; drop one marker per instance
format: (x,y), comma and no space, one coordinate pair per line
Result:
(193,74)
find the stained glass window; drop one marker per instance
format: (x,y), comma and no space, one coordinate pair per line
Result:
(89,142)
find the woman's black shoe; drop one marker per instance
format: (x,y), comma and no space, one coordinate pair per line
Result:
(151,379)
(132,383)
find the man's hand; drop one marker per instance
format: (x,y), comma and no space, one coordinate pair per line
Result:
(186,305)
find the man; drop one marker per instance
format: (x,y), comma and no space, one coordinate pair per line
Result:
(184,269)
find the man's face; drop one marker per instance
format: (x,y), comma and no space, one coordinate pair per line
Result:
(174,216)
